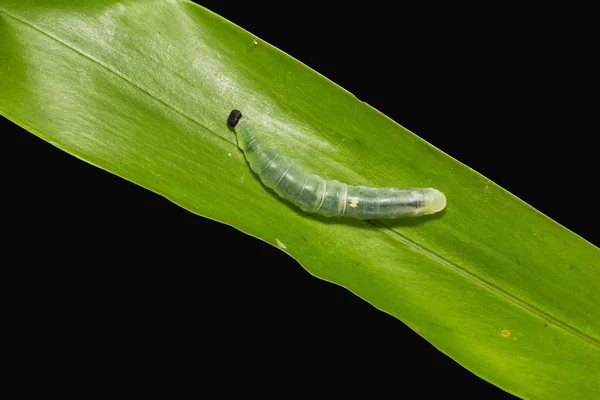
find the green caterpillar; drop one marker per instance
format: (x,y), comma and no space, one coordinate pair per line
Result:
(330,198)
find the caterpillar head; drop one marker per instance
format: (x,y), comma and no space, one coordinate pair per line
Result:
(234,118)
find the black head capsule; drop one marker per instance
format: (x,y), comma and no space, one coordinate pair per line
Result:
(234,118)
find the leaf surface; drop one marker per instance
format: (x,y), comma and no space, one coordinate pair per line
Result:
(143,89)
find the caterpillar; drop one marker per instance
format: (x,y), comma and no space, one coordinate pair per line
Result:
(330,198)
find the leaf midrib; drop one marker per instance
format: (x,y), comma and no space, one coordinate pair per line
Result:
(383,228)
(117,73)
(493,288)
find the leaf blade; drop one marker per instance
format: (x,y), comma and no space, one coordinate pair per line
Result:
(172,115)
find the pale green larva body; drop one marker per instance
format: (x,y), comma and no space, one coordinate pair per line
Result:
(330,198)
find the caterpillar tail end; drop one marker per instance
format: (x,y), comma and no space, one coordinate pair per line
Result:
(435,201)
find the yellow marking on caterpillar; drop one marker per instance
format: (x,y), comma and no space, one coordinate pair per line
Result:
(354,203)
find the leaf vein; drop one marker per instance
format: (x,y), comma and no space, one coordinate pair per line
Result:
(117,73)
(480,281)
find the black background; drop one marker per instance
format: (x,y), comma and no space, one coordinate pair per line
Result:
(123,274)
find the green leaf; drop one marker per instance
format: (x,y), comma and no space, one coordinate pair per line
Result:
(142,89)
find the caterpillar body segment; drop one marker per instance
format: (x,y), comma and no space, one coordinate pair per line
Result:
(330,198)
